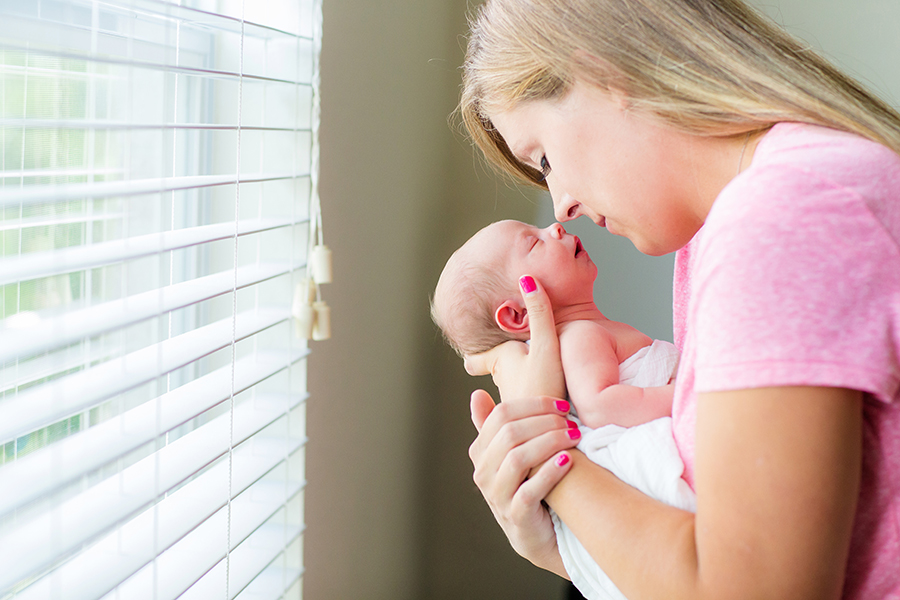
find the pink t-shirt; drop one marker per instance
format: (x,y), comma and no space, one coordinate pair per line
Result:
(794,279)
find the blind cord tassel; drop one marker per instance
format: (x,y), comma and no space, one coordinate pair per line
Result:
(312,315)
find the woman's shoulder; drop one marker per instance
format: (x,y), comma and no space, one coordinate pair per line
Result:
(802,174)
(806,155)
(805,143)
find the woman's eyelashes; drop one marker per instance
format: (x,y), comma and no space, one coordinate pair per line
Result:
(545,168)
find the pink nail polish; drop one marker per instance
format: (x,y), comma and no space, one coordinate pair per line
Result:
(562,460)
(562,406)
(573,434)
(571,424)
(527,283)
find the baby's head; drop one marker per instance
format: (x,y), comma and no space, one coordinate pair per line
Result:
(477,303)
(472,285)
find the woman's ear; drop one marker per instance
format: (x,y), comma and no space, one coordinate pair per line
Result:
(512,317)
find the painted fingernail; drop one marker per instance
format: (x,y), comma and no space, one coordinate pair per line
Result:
(562,460)
(527,283)
(562,406)
(573,434)
(571,424)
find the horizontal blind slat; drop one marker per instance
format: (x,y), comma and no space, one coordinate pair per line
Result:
(45,539)
(248,559)
(271,584)
(170,12)
(105,125)
(59,332)
(191,560)
(24,267)
(134,187)
(107,564)
(44,405)
(55,466)
(149,60)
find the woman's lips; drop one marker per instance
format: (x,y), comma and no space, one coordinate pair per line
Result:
(601,221)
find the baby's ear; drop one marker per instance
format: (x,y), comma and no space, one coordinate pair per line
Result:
(512,317)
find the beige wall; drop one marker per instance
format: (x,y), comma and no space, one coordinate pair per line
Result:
(391,508)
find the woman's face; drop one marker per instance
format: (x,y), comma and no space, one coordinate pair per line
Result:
(622,170)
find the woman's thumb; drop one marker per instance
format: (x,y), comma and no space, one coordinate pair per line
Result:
(481,405)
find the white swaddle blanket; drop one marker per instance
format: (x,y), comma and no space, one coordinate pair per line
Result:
(643,456)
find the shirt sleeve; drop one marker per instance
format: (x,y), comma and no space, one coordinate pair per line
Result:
(798,284)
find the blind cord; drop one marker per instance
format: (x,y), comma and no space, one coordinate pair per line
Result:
(237,216)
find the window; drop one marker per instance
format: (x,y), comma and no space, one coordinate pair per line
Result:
(159,201)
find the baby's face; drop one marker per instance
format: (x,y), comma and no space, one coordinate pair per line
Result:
(555,258)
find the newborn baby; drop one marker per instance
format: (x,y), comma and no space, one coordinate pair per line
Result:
(618,379)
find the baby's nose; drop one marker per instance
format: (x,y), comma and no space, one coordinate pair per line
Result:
(557,231)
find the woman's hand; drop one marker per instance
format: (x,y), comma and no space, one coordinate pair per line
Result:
(519,452)
(519,370)
(518,458)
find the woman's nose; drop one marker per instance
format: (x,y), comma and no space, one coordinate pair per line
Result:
(566,208)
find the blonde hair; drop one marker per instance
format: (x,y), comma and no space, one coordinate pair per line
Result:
(468,292)
(713,67)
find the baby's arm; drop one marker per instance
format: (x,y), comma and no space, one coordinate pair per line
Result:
(591,369)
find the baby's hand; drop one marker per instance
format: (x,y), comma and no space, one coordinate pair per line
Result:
(506,364)
(520,370)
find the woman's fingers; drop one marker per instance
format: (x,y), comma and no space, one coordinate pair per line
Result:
(518,459)
(526,458)
(518,416)
(516,438)
(540,484)
(545,365)
(540,313)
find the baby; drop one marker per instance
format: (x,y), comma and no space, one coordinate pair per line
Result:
(614,373)
(617,378)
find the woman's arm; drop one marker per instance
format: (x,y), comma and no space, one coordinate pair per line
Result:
(777,477)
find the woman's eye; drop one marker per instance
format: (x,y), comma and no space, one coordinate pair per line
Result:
(545,168)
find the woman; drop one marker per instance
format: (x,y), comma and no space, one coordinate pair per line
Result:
(696,127)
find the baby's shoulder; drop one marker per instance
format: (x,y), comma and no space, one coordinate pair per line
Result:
(585,330)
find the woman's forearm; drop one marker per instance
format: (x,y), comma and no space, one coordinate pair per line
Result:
(633,537)
(777,476)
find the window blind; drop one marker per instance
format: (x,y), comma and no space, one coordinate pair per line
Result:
(158,198)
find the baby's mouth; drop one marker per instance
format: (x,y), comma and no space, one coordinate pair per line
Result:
(578,247)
